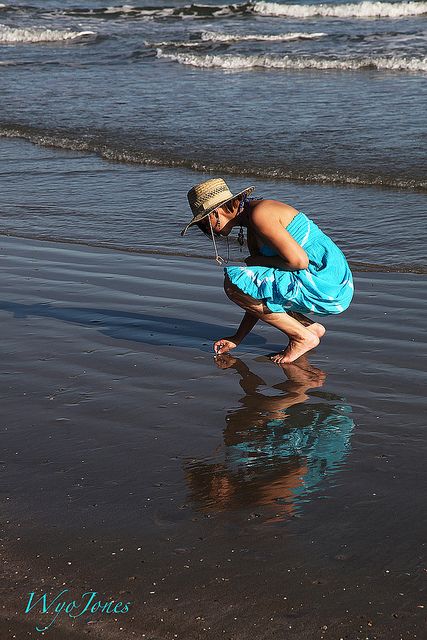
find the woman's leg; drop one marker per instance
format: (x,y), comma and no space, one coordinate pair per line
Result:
(301,339)
(314,327)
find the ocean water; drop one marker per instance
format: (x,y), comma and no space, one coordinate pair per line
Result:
(109,113)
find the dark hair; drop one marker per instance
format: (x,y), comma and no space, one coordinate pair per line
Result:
(231,204)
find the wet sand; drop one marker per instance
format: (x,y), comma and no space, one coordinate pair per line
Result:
(234,502)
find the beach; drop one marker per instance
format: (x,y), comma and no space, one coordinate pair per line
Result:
(220,499)
(150,489)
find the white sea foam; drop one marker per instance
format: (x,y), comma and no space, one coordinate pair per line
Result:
(239,62)
(363,9)
(132,11)
(214,36)
(10,35)
(179,44)
(126,8)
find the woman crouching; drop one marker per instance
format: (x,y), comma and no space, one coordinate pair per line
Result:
(293,267)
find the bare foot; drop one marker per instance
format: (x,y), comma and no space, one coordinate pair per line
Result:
(301,372)
(296,348)
(318,329)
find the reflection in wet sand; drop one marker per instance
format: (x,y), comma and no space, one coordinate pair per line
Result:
(278,448)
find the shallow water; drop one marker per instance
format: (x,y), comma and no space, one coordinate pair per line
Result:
(67,195)
(294,98)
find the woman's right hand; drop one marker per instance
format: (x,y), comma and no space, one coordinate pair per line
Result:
(225,344)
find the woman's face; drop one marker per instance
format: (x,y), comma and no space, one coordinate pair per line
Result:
(221,224)
(214,220)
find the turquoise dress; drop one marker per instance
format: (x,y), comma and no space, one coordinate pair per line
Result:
(325,287)
(321,440)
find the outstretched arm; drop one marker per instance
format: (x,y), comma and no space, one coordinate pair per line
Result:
(226,344)
(246,326)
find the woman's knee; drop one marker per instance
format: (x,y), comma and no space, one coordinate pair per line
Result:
(242,299)
(231,291)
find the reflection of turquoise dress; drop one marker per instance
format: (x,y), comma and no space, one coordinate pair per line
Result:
(321,438)
(325,287)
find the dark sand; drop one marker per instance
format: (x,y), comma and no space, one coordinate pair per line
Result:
(134,466)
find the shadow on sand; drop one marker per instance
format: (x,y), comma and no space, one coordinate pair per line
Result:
(137,327)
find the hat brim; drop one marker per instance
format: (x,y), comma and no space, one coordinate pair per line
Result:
(201,216)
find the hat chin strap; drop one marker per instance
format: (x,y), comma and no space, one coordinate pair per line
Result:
(218,258)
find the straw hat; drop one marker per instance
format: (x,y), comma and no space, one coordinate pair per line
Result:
(207,196)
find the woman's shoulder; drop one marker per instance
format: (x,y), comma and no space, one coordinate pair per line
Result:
(266,208)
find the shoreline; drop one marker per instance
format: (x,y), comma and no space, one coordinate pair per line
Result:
(134,466)
(356,267)
(94,214)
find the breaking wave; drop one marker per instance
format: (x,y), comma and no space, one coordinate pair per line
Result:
(214,36)
(121,152)
(363,9)
(242,62)
(207,37)
(10,35)
(158,13)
